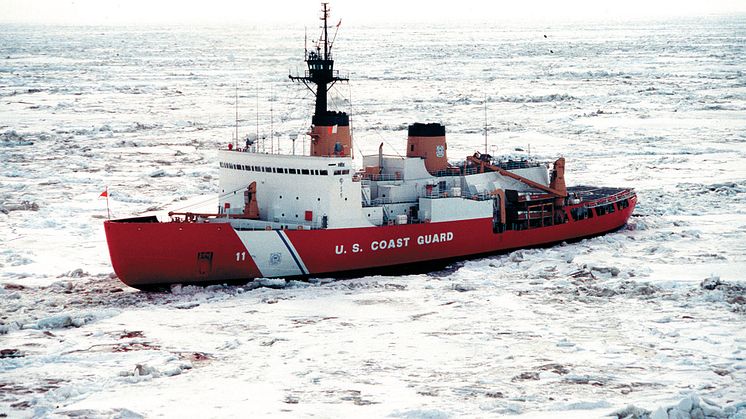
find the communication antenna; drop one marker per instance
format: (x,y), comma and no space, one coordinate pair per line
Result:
(485,123)
(271,120)
(349,87)
(331,44)
(257,117)
(236,114)
(325,7)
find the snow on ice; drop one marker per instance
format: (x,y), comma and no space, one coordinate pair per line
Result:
(644,322)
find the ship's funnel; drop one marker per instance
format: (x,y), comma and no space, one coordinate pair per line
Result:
(429,142)
(330,135)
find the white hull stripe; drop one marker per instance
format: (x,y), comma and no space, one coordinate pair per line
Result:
(293,252)
(270,253)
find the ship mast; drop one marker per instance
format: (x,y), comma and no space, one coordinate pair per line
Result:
(321,66)
(330,130)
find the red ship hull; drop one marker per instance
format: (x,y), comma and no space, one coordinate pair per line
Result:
(152,253)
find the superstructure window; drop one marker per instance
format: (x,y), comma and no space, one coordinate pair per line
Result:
(605,209)
(292,171)
(304,171)
(324,173)
(580,213)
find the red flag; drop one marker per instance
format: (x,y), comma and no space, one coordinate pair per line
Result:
(104,194)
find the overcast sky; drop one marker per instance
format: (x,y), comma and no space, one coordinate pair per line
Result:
(292,11)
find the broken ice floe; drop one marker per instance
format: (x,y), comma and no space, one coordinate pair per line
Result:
(61,321)
(7,207)
(170,368)
(690,407)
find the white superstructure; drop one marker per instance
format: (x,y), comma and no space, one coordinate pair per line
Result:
(326,192)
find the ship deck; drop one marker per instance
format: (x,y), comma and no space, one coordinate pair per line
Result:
(595,194)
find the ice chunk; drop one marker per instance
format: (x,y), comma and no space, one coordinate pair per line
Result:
(712,411)
(710,283)
(278,283)
(660,413)
(420,414)
(171,370)
(55,322)
(685,405)
(676,413)
(564,343)
(144,369)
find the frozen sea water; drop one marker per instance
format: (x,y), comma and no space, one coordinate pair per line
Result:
(647,316)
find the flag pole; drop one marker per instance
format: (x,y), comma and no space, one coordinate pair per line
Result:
(108,212)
